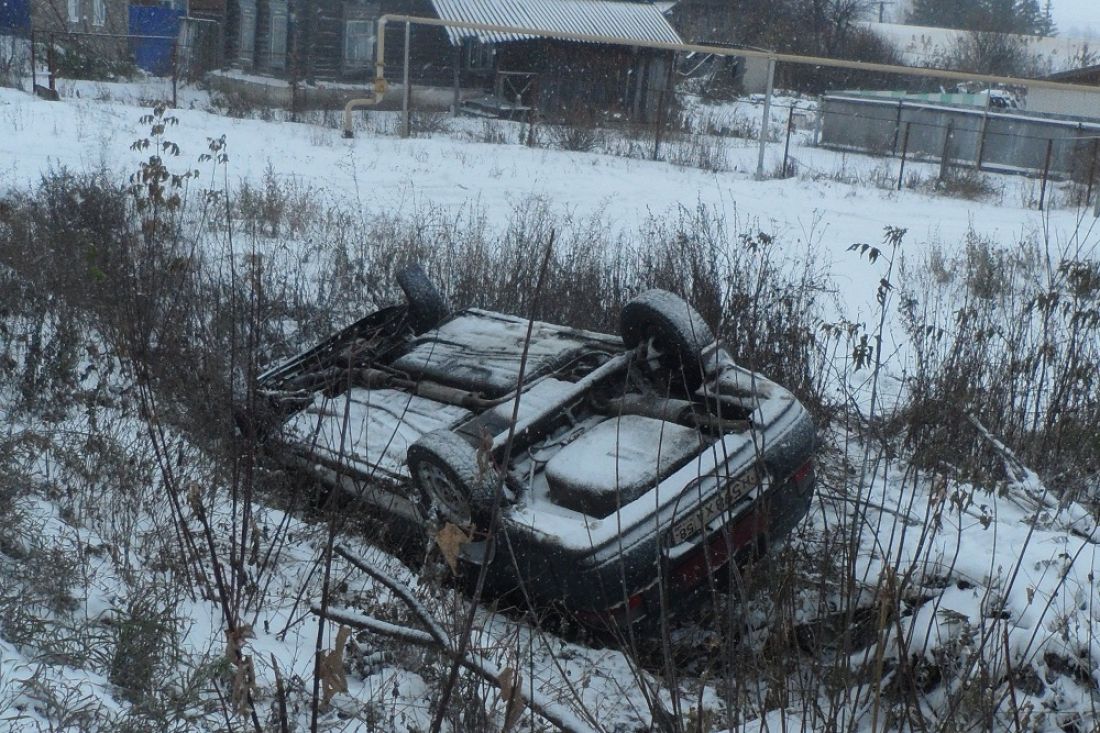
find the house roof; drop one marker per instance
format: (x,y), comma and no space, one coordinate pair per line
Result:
(636,21)
(1084,75)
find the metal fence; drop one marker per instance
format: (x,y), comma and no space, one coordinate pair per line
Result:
(1013,142)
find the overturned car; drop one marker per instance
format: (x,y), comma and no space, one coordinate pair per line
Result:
(611,475)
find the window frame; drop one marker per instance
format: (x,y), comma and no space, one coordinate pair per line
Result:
(279,30)
(478,56)
(246,33)
(353,62)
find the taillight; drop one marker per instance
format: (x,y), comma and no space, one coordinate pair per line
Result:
(803,472)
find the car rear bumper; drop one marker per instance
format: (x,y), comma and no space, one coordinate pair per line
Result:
(760,529)
(600,585)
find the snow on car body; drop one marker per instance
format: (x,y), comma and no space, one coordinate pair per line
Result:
(607,462)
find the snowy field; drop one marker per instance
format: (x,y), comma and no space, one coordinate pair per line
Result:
(1003,566)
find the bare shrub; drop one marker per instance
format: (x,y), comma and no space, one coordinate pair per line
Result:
(232,104)
(81,57)
(275,207)
(735,124)
(965,183)
(705,152)
(1019,353)
(985,52)
(142,633)
(573,137)
(576,131)
(493,132)
(426,122)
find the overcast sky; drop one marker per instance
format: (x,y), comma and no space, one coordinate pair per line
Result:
(1077,18)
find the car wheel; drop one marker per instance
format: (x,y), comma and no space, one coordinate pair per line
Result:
(427,306)
(670,336)
(445,470)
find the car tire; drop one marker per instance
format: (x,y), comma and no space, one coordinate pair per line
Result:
(446,472)
(674,333)
(427,306)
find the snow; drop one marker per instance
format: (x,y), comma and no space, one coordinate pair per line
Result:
(614,462)
(371,427)
(482,351)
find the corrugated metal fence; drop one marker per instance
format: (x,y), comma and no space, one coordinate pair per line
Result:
(153,32)
(998,141)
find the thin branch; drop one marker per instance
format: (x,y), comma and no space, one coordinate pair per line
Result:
(400,590)
(556,714)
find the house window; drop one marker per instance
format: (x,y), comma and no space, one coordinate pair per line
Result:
(247,32)
(99,13)
(278,34)
(358,43)
(478,55)
(74,11)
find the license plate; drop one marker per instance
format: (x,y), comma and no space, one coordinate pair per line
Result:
(734,490)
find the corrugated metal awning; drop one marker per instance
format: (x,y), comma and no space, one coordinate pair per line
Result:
(632,21)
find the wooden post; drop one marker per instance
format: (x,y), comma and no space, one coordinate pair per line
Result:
(50,64)
(904,150)
(659,122)
(175,71)
(1046,172)
(405,84)
(294,68)
(657,125)
(457,78)
(818,119)
(981,132)
(764,121)
(945,154)
(787,145)
(1092,170)
(897,127)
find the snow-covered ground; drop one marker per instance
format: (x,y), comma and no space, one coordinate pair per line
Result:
(1001,566)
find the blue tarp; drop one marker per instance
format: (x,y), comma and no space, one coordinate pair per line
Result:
(153,54)
(15,15)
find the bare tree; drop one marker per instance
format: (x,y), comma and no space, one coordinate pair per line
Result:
(991,53)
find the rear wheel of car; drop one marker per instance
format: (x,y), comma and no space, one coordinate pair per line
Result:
(427,306)
(451,482)
(670,336)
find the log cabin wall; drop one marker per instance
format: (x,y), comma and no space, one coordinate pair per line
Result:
(431,55)
(577,81)
(85,16)
(208,9)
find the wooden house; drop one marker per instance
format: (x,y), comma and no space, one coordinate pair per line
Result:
(311,41)
(91,30)
(80,16)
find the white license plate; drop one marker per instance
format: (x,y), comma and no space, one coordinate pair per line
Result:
(734,490)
